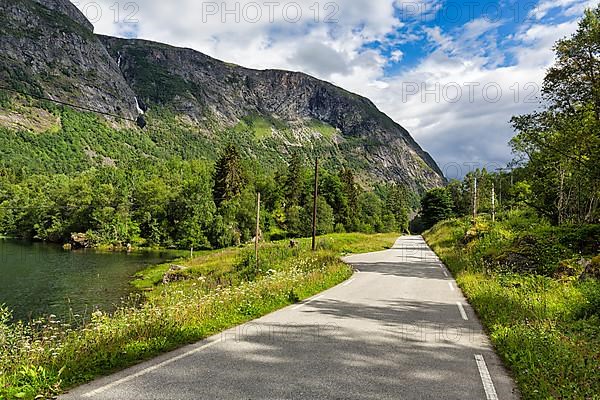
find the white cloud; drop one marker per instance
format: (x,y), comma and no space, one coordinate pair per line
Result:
(571,7)
(396,55)
(320,59)
(465,130)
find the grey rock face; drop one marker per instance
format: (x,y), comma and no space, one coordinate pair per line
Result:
(66,7)
(199,86)
(48,49)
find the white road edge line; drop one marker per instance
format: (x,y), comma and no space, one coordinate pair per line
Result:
(349,282)
(307,302)
(149,369)
(463,314)
(486,379)
(451,286)
(443,268)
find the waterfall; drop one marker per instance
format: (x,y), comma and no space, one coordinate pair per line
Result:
(137,105)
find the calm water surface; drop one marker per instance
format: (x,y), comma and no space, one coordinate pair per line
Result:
(40,279)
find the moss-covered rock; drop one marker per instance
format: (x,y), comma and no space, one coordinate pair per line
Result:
(592,269)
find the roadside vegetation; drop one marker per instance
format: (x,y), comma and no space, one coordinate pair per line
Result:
(535,287)
(524,242)
(203,296)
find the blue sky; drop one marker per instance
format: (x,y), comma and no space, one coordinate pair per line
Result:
(451,72)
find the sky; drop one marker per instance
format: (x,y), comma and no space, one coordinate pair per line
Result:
(453,73)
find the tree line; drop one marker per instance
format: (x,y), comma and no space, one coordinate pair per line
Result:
(556,171)
(192,203)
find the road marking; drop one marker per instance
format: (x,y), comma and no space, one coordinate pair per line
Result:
(445,273)
(486,379)
(463,314)
(451,286)
(149,369)
(306,302)
(349,282)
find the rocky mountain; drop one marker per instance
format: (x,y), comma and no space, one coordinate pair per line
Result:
(48,48)
(270,112)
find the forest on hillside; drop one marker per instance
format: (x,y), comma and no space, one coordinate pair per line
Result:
(186,203)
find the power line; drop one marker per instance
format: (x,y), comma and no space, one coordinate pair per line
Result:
(67,104)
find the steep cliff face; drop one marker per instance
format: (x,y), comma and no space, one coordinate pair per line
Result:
(210,90)
(48,48)
(66,7)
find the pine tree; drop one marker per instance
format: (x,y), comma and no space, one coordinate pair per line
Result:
(293,181)
(352,193)
(398,204)
(229,176)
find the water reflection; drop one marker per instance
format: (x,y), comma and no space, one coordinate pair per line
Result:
(39,278)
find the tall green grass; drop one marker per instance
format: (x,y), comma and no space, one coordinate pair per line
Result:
(220,289)
(545,327)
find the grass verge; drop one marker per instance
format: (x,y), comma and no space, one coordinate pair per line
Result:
(213,292)
(543,320)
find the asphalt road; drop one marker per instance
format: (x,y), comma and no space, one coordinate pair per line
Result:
(398,329)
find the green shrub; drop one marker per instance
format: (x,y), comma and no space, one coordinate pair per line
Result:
(546,330)
(591,294)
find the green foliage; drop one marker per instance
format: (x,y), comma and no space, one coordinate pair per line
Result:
(259,126)
(167,186)
(294,181)
(117,197)
(590,306)
(398,204)
(229,175)
(436,206)
(546,329)
(561,144)
(325,130)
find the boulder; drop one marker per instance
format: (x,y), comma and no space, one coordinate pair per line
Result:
(79,241)
(174,274)
(591,270)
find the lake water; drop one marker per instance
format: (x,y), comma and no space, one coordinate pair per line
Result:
(41,279)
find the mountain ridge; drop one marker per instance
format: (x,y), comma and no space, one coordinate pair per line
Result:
(130,76)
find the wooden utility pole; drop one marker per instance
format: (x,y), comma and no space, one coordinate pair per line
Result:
(475,199)
(493,203)
(316,194)
(257,237)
